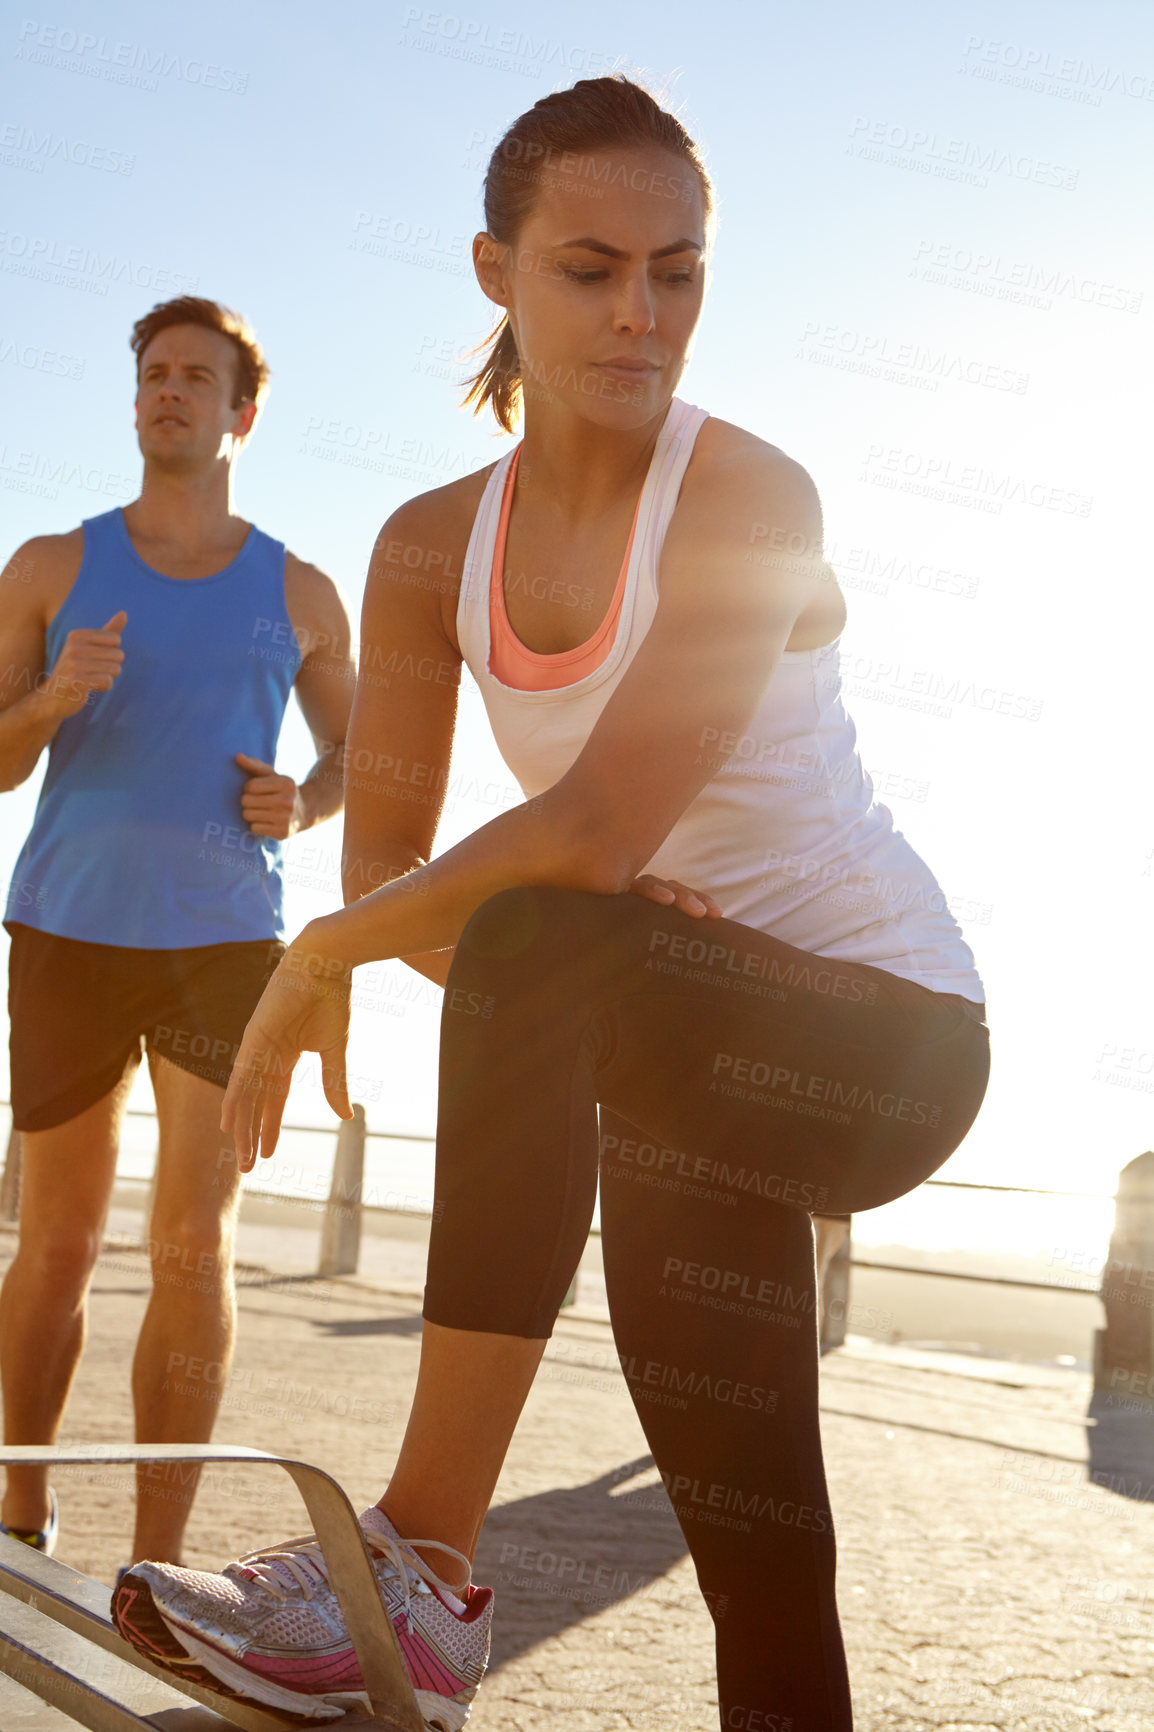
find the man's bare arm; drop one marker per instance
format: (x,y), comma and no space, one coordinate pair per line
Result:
(34,702)
(324,689)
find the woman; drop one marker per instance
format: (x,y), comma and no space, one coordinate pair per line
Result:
(820,1046)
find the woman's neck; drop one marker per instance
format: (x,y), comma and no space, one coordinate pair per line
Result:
(583,470)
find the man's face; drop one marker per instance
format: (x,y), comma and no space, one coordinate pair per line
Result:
(185,417)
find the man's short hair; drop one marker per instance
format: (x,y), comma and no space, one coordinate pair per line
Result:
(251,367)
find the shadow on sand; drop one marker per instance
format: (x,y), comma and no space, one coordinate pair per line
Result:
(560,1556)
(371,1326)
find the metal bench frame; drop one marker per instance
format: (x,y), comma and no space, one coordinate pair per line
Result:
(54,1622)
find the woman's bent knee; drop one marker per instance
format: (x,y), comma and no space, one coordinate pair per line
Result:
(516,923)
(510,920)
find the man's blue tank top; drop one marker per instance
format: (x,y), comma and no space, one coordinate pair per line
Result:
(138,837)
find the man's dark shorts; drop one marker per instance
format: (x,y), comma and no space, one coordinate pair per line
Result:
(78,1013)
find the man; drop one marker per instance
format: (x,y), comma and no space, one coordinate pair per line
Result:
(147,901)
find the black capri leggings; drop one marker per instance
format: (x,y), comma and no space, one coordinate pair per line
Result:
(742,1084)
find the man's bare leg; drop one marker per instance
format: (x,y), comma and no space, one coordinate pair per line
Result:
(66,1184)
(186,1341)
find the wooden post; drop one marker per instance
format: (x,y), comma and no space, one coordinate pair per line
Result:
(10,1179)
(341,1231)
(1124,1350)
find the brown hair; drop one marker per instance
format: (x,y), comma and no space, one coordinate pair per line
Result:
(595,114)
(251,366)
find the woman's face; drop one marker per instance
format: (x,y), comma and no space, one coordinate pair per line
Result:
(604,283)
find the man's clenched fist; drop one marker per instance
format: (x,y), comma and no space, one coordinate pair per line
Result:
(271,804)
(89,662)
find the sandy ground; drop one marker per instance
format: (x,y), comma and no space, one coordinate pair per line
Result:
(985,1579)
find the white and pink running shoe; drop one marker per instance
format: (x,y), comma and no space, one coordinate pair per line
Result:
(268,1629)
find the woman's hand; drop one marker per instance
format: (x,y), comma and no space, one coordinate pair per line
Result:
(304,1008)
(671,893)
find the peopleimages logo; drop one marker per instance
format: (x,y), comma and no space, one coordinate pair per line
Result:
(674,1164)
(941,476)
(697,1500)
(25,147)
(69,50)
(652,1377)
(1021,281)
(725,959)
(49,260)
(1014,62)
(38,360)
(878,355)
(782,1080)
(477,41)
(42,474)
(914,147)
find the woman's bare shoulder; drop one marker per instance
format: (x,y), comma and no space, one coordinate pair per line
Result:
(438,522)
(723,447)
(738,484)
(419,558)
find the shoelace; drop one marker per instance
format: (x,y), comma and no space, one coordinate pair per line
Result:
(299,1557)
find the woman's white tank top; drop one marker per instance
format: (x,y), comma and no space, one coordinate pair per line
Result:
(786,834)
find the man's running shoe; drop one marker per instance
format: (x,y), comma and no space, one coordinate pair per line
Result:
(40,1539)
(268,1629)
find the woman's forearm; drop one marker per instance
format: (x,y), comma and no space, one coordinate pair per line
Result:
(426,909)
(397,860)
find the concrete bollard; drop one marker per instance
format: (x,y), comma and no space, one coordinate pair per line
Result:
(341,1231)
(1124,1350)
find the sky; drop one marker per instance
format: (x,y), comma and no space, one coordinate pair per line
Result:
(931,285)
